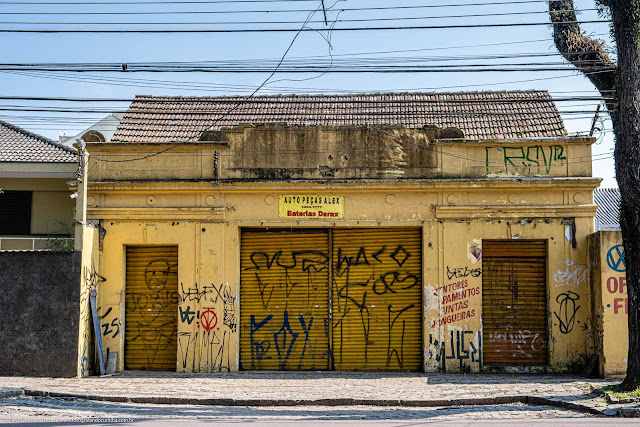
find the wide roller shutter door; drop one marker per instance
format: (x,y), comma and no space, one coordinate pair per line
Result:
(514,302)
(151,308)
(284,294)
(377,294)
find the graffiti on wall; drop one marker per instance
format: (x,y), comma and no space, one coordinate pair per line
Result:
(289,291)
(524,160)
(617,284)
(567,311)
(461,345)
(372,291)
(455,298)
(520,342)
(573,275)
(208,346)
(91,280)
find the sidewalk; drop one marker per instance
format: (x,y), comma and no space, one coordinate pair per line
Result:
(324,388)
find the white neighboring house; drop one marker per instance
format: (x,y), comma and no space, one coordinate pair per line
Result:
(101,131)
(608,214)
(36,211)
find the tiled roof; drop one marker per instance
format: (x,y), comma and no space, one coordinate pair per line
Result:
(480,115)
(608,201)
(20,145)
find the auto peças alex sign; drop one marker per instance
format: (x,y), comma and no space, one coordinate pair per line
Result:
(306,206)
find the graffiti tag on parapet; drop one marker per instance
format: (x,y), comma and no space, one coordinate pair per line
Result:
(462,272)
(567,310)
(461,347)
(531,160)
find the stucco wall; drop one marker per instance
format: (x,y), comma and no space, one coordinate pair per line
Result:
(39,313)
(51,206)
(608,282)
(208,241)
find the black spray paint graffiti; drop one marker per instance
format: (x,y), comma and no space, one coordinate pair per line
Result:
(155,329)
(91,281)
(393,350)
(309,262)
(462,272)
(109,329)
(214,350)
(461,347)
(567,311)
(208,341)
(358,296)
(212,293)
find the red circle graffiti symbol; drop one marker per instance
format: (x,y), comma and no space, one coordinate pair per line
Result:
(208,319)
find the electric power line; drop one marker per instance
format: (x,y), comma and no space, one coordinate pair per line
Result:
(285,30)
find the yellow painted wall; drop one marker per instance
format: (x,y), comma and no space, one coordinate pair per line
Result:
(208,260)
(608,282)
(90,279)
(205,219)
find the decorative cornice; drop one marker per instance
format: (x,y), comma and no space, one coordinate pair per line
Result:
(523,211)
(472,184)
(215,214)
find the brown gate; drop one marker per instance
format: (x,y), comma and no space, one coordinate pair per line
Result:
(514,302)
(151,308)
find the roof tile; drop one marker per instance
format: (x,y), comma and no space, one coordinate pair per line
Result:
(480,115)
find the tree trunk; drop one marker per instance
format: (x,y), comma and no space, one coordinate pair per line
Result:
(620,87)
(626,25)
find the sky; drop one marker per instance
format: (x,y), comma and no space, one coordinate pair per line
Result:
(390,46)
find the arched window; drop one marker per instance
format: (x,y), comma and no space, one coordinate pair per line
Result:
(93,136)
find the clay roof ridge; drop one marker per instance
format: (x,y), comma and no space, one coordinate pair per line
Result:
(37,136)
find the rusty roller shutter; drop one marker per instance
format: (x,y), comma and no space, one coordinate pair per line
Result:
(514,302)
(284,289)
(377,296)
(151,308)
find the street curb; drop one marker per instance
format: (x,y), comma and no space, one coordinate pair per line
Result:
(157,400)
(9,393)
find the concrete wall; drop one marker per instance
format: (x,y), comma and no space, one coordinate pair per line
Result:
(272,153)
(610,303)
(39,313)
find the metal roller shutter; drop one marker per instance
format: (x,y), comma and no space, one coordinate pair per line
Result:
(514,302)
(151,308)
(284,294)
(377,294)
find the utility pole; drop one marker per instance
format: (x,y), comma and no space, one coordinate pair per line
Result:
(81,198)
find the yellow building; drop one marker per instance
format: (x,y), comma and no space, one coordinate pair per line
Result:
(36,211)
(414,232)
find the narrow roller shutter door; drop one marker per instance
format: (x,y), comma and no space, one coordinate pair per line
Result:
(377,294)
(151,308)
(284,294)
(514,303)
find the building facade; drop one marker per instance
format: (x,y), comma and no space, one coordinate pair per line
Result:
(412,232)
(36,211)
